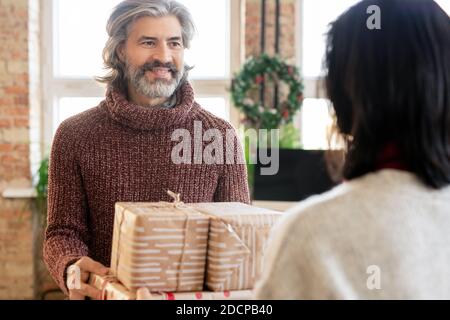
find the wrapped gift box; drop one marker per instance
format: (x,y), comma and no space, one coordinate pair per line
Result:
(238,236)
(161,246)
(111,289)
(205,295)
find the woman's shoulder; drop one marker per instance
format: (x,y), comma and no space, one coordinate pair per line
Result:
(352,199)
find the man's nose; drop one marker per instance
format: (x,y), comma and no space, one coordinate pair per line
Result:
(162,54)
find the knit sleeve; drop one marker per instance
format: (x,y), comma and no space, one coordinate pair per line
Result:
(233,184)
(66,235)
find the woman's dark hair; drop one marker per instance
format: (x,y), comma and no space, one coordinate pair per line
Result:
(391,86)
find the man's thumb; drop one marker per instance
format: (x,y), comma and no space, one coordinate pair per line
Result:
(92,266)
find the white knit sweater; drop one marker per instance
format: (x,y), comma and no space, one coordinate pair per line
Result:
(382,236)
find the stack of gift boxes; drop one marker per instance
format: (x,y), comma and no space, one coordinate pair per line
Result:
(186,251)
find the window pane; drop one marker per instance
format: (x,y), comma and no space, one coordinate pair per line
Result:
(317,14)
(70,106)
(215,105)
(210,50)
(80,35)
(316,124)
(445,4)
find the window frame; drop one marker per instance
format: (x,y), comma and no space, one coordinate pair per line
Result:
(314,87)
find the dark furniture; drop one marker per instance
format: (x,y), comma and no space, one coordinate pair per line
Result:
(301,173)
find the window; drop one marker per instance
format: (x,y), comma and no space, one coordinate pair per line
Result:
(74,36)
(313,17)
(445,4)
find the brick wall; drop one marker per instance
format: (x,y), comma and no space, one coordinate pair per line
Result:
(253,28)
(16,238)
(286,40)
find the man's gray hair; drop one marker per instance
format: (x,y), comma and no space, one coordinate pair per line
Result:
(118,28)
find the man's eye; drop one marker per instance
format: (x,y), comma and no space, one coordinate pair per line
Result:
(176,44)
(149,43)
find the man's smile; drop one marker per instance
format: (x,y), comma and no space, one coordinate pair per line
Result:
(161,73)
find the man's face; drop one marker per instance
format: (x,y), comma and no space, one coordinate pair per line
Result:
(154,56)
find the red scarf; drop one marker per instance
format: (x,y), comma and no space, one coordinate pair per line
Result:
(390,158)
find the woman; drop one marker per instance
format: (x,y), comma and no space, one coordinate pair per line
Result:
(385,232)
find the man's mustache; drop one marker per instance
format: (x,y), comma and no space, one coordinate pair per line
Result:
(150,66)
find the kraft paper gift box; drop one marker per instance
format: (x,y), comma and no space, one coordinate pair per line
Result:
(161,246)
(111,289)
(238,236)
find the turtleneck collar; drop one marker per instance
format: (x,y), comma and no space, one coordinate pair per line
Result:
(150,118)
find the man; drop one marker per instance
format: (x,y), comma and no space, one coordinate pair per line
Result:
(121,151)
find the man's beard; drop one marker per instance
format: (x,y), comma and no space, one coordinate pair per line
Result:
(158,88)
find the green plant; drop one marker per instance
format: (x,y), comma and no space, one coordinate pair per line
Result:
(250,166)
(42,187)
(289,137)
(253,74)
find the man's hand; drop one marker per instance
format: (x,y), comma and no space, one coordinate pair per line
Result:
(78,277)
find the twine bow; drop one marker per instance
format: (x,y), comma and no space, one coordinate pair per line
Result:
(177,203)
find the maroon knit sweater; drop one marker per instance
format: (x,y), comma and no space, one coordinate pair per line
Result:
(121,152)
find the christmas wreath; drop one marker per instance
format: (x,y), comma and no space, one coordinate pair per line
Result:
(254,73)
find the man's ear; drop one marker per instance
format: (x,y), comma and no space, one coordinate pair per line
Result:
(121,52)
